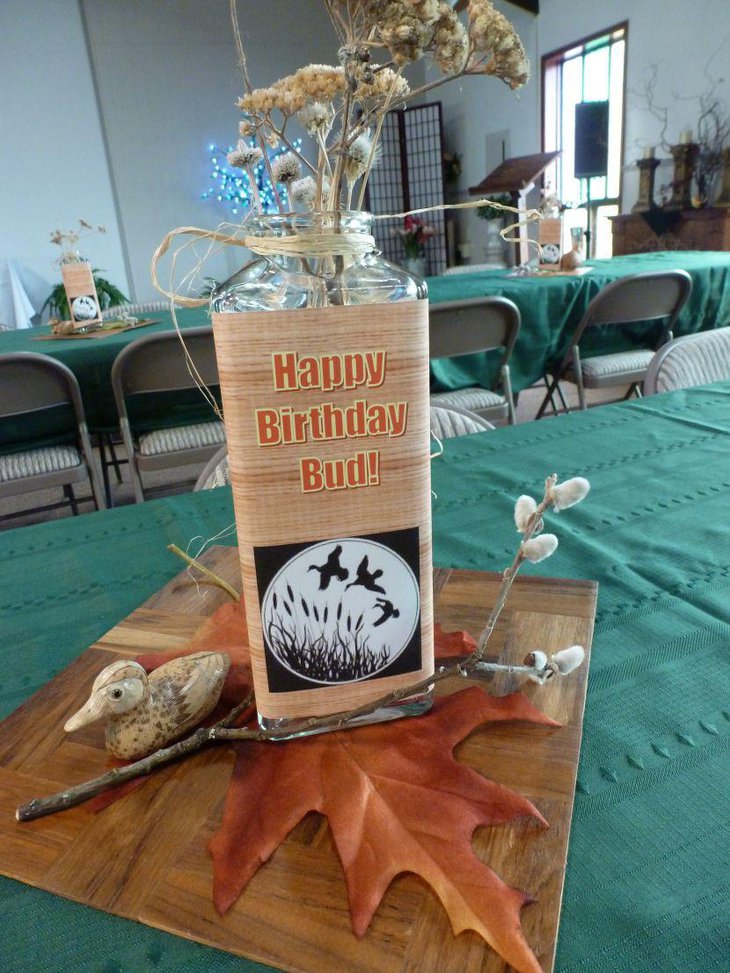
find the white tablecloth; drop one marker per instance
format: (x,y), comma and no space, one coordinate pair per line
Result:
(22,294)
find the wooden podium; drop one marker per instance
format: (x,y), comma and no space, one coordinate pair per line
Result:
(517,177)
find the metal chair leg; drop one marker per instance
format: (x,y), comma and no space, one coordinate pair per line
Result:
(71,497)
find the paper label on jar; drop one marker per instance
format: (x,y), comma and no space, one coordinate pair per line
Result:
(327,423)
(83,302)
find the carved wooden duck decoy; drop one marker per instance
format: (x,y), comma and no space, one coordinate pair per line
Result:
(146,711)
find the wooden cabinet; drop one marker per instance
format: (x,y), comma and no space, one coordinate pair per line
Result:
(659,229)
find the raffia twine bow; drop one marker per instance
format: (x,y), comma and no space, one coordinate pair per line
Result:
(319,243)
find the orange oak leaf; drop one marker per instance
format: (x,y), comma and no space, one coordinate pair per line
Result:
(396,801)
(447,644)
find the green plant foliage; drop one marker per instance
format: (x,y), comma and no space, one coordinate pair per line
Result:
(492,212)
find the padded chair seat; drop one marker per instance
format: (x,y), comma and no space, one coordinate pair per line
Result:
(163,441)
(49,459)
(472,399)
(448,423)
(623,363)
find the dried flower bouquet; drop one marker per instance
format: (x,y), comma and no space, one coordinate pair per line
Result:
(342,107)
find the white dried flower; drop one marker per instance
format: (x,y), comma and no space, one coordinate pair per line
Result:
(569,493)
(303,191)
(538,548)
(524,509)
(286,168)
(246,129)
(244,155)
(380,86)
(568,659)
(317,118)
(357,157)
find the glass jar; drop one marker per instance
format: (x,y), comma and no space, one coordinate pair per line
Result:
(322,351)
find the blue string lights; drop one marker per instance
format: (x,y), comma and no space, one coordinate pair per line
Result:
(233,187)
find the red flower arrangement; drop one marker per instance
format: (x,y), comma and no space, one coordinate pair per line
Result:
(414,234)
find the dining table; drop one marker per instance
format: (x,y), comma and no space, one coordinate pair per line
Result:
(648,868)
(550,305)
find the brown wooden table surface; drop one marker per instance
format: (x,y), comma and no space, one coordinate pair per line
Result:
(145,857)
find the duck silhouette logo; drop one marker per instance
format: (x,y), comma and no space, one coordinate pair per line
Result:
(341,610)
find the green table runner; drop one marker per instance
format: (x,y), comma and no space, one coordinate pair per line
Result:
(551,308)
(649,863)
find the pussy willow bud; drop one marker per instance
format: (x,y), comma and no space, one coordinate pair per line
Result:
(568,659)
(525,507)
(569,493)
(538,548)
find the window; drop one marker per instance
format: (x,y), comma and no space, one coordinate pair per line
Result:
(590,70)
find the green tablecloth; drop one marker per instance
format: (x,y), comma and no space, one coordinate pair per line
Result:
(649,862)
(91,359)
(552,306)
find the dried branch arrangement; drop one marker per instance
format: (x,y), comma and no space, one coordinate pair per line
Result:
(711,120)
(534,546)
(342,107)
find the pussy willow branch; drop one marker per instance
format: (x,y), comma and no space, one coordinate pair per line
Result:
(224,731)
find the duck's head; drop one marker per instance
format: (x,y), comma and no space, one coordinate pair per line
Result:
(116,690)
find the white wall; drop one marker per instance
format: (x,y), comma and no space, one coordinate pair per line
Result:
(477,111)
(680,36)
(53,168)
(168,80)
(683,38)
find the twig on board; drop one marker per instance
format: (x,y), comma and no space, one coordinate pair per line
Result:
(534,547)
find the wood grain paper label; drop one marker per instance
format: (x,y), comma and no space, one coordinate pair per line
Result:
(83,302)
(550,236)
(327,422)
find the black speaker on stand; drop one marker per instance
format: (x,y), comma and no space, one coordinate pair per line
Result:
(591,151)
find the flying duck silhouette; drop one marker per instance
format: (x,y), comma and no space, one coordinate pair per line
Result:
(145,712)
(387,608)
(367,579)
(330,569)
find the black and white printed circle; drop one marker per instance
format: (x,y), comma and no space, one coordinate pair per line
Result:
(341,610)
(84,308)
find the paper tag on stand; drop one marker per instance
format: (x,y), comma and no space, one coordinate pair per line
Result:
(327,423)
(83,302)
(550,237)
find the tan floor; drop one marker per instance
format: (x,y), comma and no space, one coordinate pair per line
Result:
(182,479)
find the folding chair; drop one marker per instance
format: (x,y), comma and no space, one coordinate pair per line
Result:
(148,367)
(695,359)
(472,326)
(447,422)
(216,472)
(645,297)
(150,307)
(41,398)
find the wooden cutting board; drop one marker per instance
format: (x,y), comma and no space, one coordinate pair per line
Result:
(145,857)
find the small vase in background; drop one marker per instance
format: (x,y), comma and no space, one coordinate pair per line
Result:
(574,257)
(415,266)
